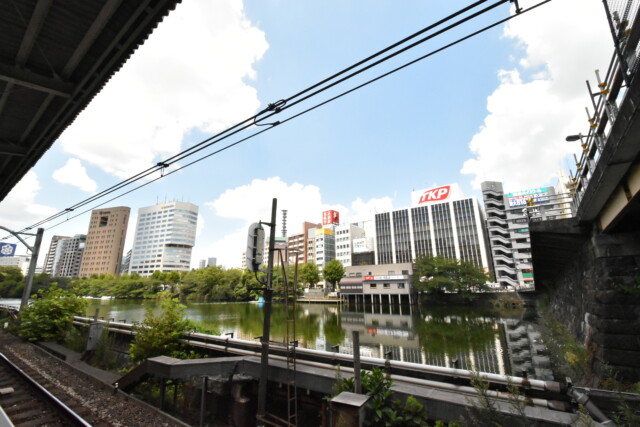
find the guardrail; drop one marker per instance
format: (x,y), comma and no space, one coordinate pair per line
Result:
(609,95)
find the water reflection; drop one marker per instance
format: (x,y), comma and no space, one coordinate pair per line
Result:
(451,336)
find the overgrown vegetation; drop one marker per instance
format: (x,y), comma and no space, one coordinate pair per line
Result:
(485,411)
(50,316)
(158,334)
(438,275)
(383,411)
(570,358)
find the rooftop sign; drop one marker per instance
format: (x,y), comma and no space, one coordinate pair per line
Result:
(438,194)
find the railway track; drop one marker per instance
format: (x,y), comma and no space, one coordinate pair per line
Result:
(26,401)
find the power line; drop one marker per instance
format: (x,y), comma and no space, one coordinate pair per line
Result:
(242,125)
(250,121)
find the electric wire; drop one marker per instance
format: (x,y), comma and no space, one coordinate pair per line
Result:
(245,123)
(200,148)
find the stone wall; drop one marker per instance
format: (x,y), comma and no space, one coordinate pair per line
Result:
(598,297)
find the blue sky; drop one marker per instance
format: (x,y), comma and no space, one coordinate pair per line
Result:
(496,107)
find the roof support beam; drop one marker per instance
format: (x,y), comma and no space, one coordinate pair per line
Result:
(27,78)
(91,35)
(33,30)
(12,149)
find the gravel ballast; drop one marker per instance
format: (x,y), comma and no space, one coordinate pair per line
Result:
(94,401)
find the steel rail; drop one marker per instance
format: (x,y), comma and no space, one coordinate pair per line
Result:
(67,412)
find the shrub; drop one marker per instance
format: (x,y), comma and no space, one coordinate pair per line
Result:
(158,335)
(50,315)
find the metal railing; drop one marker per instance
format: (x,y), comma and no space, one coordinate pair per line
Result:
(609,94)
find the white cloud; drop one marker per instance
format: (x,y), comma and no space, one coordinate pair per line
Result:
(19,209)
(363,211)
(186,76)
(252,202)
(522,139)
(75,174)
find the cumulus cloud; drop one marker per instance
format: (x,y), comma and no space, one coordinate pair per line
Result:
(19,208)
(364,211)
(541,100)
(75,174)
(186,76)
(252,202)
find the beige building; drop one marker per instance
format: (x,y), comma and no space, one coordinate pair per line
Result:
(105,241)
(298,244)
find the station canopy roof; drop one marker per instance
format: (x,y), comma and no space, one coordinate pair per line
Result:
(55,56)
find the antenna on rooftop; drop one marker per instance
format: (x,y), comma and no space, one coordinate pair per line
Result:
(284,223)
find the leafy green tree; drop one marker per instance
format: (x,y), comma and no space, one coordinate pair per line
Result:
(332,272)
(309,273)
(439,274)
(11,282)
(50,315)
(158,335)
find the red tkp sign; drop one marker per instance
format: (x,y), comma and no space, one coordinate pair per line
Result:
(435,194)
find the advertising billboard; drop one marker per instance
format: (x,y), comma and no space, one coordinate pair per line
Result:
(539,195)
(330,217)
(437,194)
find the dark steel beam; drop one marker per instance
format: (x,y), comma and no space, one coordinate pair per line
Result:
(90,36)
(12,149)
(32,80)
(33,29)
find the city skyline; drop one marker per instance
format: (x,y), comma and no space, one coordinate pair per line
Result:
(441,121)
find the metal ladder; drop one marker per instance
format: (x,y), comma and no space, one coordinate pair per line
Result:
(292,343)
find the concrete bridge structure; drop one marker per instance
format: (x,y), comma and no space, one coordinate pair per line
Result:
(590,264)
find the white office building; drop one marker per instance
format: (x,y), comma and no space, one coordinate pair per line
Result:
(164,238)
(346,236)
(20,261)
(440,222)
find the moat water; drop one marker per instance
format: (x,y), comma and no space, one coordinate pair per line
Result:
(480,339)
(484,340)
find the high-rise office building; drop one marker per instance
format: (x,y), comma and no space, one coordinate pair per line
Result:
(164,238)
(440,222)
(508,218)
(105,241)
(68,257)
(51,260)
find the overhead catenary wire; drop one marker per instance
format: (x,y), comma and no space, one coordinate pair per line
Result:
(248,122)
(274,109)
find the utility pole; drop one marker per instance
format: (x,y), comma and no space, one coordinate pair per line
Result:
(35,250)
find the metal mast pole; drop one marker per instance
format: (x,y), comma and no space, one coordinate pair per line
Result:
(35,250)
(266,327)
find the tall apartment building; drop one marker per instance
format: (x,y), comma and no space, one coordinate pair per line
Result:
(164,238)
(50,260)
(297,244)
(440,222)
(68,256)
(105,241)
(508,218)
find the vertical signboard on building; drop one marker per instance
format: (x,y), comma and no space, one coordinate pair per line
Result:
(330,217)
